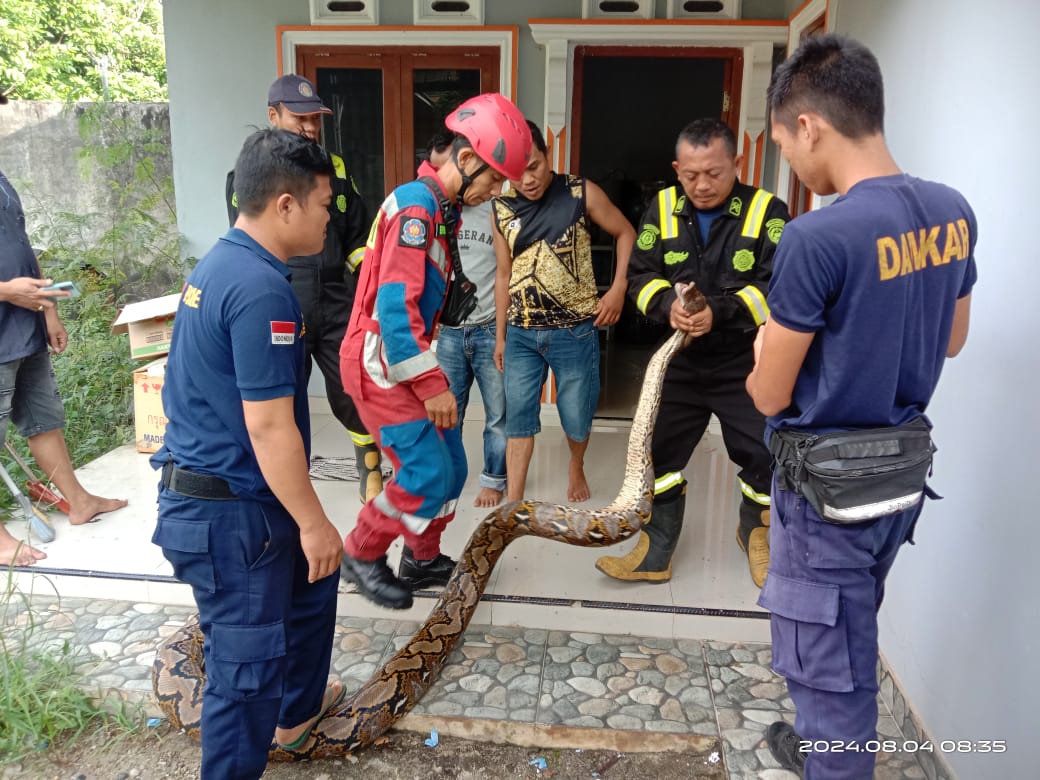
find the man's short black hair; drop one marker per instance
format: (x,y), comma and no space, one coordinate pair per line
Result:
(701,132)
(273,162)
(835,77)
(537,139)
(439,142)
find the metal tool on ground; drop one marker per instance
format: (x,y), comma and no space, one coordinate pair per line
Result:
(39,525)
(39,491)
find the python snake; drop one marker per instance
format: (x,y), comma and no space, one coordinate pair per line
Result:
(179,676)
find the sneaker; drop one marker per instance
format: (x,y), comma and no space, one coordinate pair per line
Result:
(784,744)
(424,574)
(376,582)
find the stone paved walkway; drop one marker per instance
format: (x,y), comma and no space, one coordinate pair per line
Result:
(527,685)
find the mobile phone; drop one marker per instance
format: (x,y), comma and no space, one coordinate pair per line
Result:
(69,287)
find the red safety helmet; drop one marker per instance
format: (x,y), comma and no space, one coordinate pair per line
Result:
(496,130)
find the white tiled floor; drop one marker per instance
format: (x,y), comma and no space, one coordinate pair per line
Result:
(114,558)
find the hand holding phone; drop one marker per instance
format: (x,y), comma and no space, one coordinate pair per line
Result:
(69,287)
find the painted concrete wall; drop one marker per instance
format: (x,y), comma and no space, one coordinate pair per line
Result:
(961,626)
(39,148)
(221,57)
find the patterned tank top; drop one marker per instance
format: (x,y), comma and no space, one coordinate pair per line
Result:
(552,284)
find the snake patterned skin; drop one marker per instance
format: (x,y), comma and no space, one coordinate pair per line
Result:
(179,676)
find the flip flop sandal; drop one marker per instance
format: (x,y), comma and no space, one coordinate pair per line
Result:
(299,742)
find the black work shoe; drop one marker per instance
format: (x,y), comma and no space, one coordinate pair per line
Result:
(424,574)
(783,743)
(376,582)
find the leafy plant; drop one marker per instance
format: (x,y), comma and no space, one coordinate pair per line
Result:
(42,693)
(135,257)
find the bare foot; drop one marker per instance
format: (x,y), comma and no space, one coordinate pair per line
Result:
(295,738)
(16,553)
(577,487)
(488,497)
(88,510)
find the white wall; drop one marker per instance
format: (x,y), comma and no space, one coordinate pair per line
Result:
(960,624)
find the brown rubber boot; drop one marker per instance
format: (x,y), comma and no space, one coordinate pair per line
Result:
(370,474)
(753,539)
(651,559)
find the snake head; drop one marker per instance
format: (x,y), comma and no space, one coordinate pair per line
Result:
(691,298)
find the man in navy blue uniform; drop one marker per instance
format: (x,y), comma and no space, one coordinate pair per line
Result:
(869,296)
(238,517)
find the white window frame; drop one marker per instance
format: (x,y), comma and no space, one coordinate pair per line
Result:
(320,14)
(730,10)
(423,13)
(590,10)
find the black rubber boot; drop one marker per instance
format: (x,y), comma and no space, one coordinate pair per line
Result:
(370,474)
(424,574)
(376,582)
(651,559)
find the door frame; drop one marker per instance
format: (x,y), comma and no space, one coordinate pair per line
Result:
(505,38)
(807,16)
(757,39)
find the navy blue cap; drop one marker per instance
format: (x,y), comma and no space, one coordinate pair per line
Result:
(297,94)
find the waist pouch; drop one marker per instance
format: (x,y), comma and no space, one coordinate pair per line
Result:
(855,476)
(461,300)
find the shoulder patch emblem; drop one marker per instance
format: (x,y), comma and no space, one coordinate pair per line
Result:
(775,229)
(735,206)
(414,232)
(744,260)
(648,237)
(341,203)
(674,258)
(283,332)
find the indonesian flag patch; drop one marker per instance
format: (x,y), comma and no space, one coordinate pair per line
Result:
(283,332)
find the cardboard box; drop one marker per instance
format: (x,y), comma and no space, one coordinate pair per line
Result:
(150,325)
(149,417)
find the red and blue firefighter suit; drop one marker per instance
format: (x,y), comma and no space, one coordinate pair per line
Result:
(389,369)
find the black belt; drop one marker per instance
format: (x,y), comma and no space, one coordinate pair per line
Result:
(188,483)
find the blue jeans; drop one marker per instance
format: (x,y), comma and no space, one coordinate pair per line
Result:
(465,354)
(573,355)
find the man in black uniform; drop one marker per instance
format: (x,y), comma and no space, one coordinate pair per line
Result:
(325,283)
(721,235)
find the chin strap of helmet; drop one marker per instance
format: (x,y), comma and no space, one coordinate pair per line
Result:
(467,178)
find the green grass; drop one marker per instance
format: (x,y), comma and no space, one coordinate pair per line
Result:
(44,695)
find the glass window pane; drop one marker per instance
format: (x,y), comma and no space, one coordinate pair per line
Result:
(437,92)
(354,130)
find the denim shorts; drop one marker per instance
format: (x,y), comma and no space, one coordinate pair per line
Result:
(29,396)
(573,355)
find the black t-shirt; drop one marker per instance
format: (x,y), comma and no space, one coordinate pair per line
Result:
(24,332)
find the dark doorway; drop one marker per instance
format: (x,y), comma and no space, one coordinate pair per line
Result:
(629,105)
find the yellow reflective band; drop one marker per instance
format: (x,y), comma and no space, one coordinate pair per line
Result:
(666,213)
(761,499)
(648,292)
(339,165)
(756,214)
(667,482)
(755,302)
(361,439)
(354,258)
(371,242)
